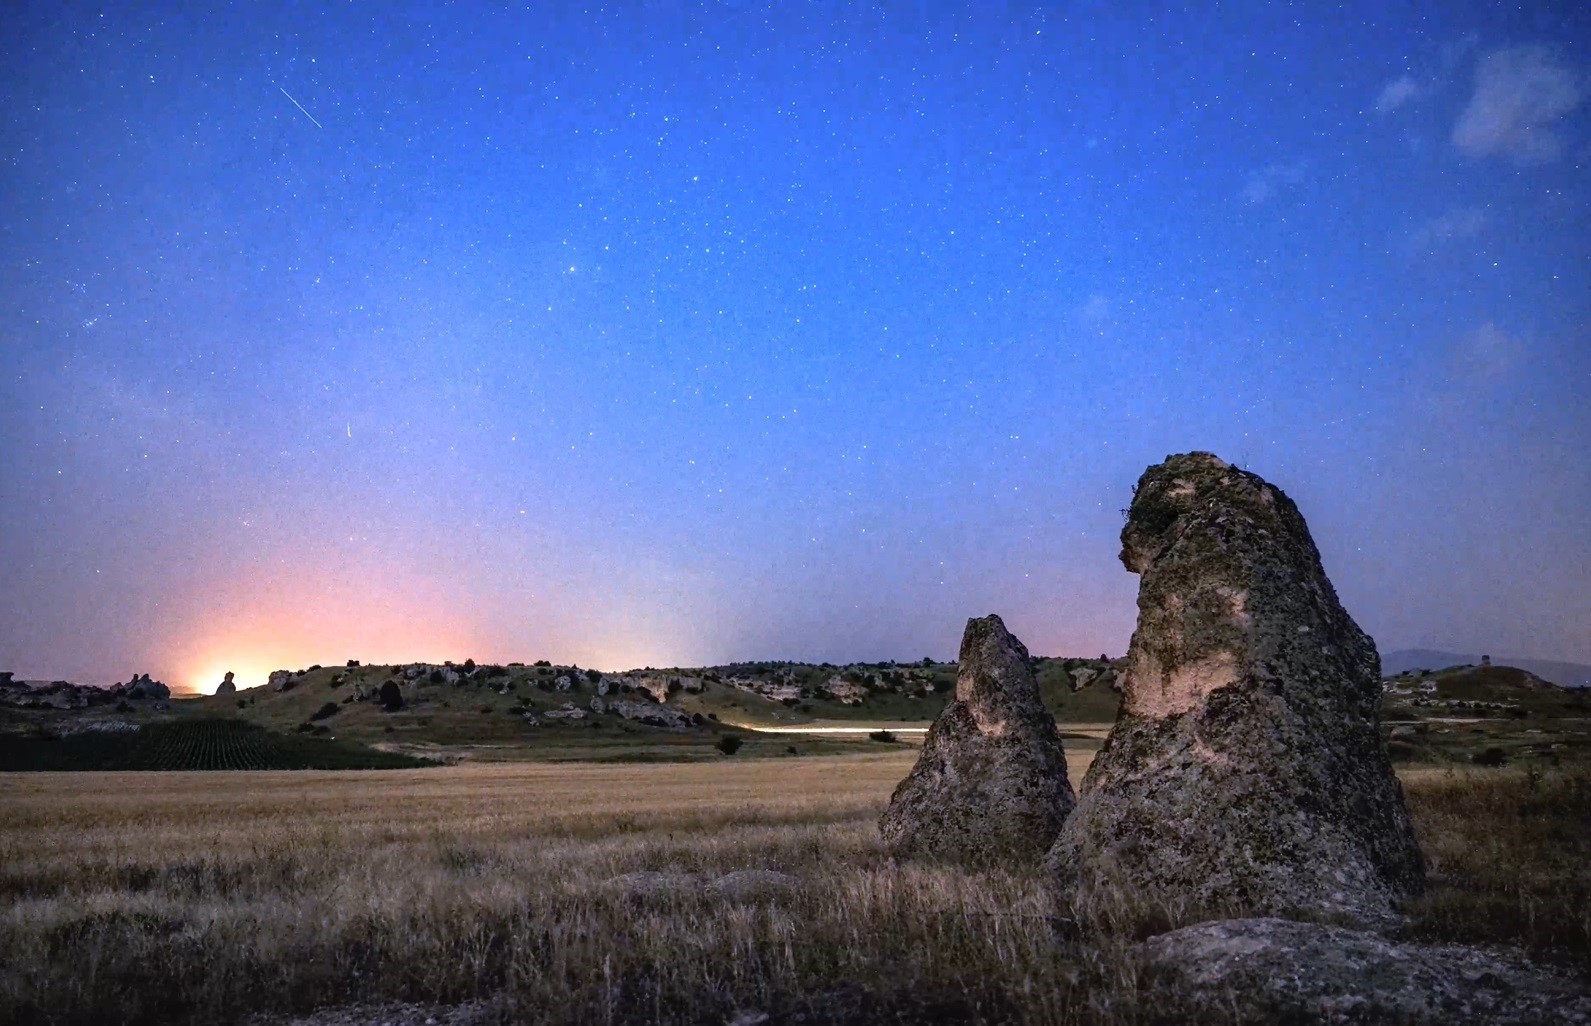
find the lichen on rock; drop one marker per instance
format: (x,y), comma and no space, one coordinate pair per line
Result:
(1245,775)
(1272,970)
(990,784)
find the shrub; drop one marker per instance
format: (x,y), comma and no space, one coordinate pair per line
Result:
(435,676)
(351,664)
(593,675)
(469,666)
(312,669)
(1402,751)
(242,704)
(329,709)
(1491,757)
(729,744)
(391,696)
(882,735)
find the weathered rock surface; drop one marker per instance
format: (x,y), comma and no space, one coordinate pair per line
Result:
(488,1012)
(752,884)
(1273,970)
(991,782)
(227,686)
(651,715)
(282,680)
(1245,775)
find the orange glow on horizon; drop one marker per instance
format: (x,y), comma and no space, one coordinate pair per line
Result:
(325,618)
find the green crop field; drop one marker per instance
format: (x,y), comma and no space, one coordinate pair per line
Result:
(199,744)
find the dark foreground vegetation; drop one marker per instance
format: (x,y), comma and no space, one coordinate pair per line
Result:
(196,744)
(214,898)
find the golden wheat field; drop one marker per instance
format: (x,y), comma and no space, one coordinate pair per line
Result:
(214,897)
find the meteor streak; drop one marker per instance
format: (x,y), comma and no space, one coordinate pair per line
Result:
(300,106)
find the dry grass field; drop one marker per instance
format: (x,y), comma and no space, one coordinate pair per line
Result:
(177,897)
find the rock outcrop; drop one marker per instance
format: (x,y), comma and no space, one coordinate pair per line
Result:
(991,782)
(1245,775)
(140,686)
(649,714)
(227,685)
(1272,970)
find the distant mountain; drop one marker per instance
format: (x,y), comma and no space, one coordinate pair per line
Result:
(1569,675)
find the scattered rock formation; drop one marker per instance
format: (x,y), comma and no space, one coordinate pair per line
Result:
(227,686)
(140,686)
(1245,775)
(991,781)
(282,680)
(1272,970)
(843,691)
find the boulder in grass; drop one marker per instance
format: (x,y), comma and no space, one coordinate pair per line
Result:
(1245,775)
(990,784)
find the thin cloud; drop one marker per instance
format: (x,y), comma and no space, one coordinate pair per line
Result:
(1263,185)
(1398,92)
(1444,230)
(1094,313)
(1519,93)
(1486,353)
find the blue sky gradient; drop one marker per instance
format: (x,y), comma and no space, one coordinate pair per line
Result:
(680,333)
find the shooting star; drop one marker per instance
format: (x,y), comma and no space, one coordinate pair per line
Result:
(300,106)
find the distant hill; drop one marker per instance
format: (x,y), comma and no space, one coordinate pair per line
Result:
(1569,675)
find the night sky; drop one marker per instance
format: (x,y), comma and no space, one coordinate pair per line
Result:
(677,334)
